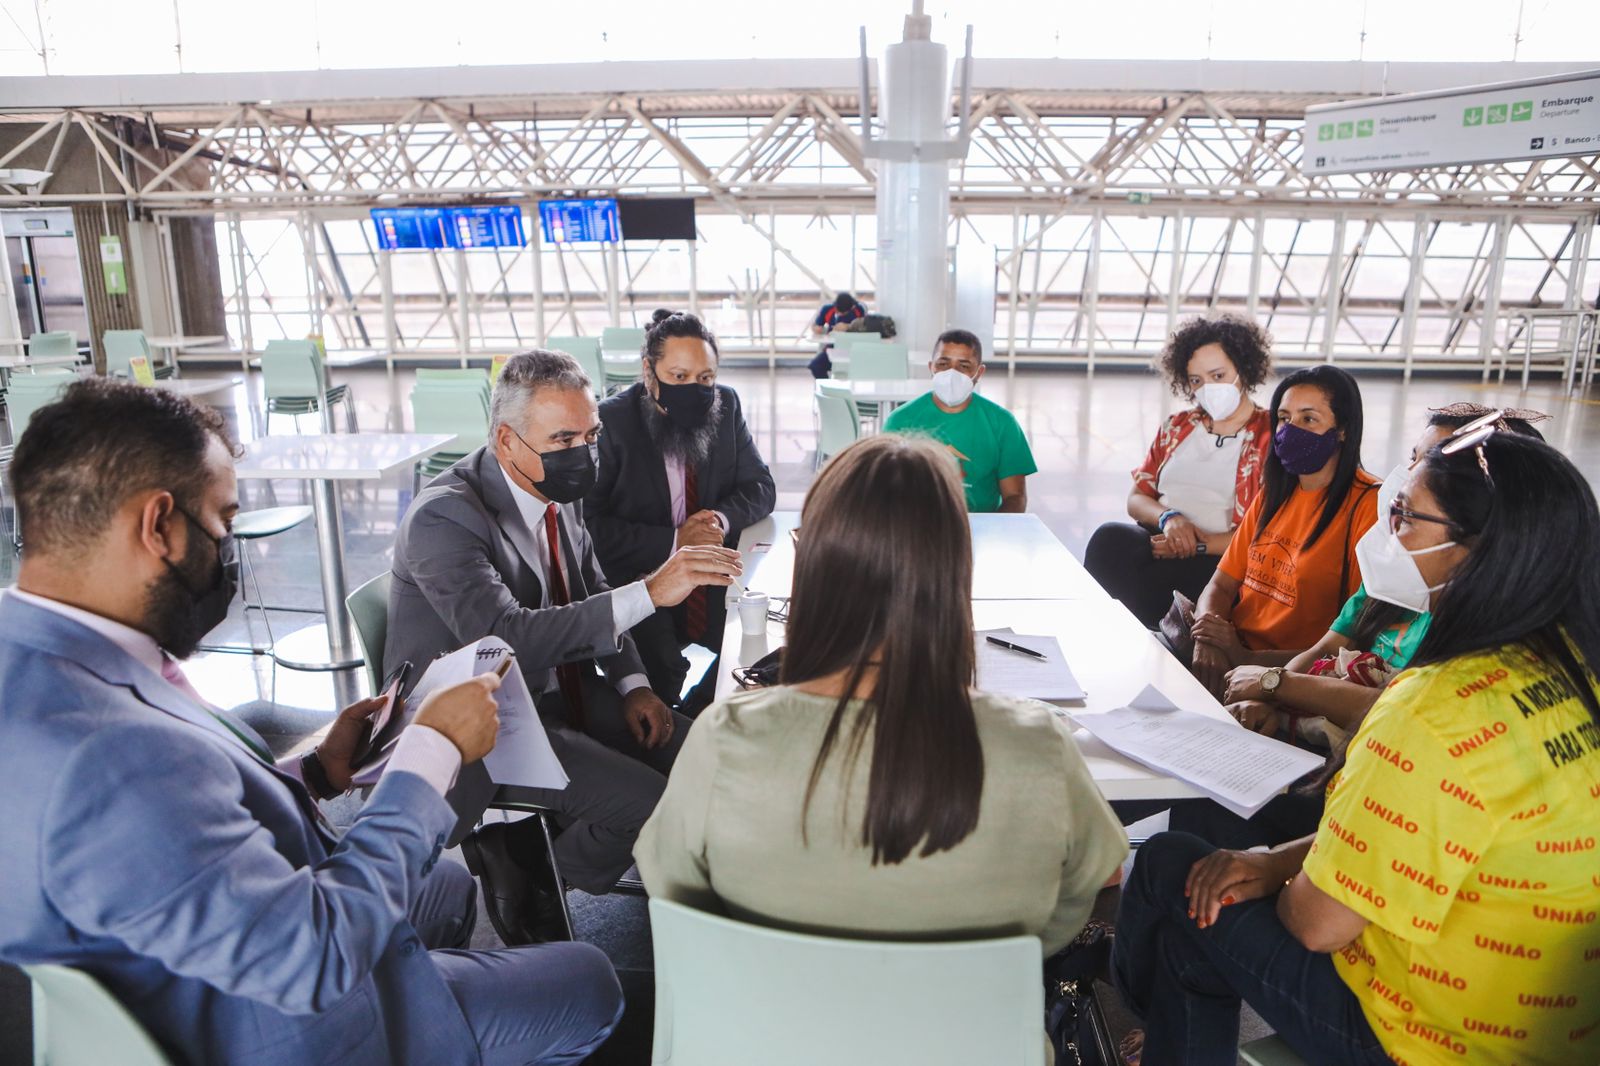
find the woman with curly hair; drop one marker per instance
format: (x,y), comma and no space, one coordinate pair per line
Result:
(1201,474)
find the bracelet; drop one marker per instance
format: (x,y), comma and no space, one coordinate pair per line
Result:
(1166,516)
(316,778)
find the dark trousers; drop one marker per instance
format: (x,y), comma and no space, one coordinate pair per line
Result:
(1118,556)
(1287,817)
(1187,982)
(661,639)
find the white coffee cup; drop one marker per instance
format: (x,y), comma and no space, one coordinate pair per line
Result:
(753,612)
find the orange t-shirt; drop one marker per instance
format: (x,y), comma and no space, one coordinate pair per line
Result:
(1290,594)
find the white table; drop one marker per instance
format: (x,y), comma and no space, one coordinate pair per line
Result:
(172,344)
(1014,557)
(324,460)
(9,363)
(1111,654)
(206,391)
(888,393)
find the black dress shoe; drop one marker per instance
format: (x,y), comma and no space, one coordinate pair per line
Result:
(506,885)
(542,912)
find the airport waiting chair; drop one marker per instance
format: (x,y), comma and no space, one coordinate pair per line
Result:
(838,424)
(122,346)
(76,1022)
(470,377)
(56,342)
(29,392)
(586,350)
(842,342)
(879,361)
(729,993)
(455,408)
(295,383)
(620,349)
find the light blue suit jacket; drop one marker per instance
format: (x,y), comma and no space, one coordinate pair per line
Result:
(144,845)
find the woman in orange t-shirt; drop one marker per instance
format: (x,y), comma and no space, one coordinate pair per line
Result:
(1291,563)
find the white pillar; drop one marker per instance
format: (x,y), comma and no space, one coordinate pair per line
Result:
(1408,319)
(391,328)
(1091,296)
(1491,294)
(463,304)
(1252,299)
(1333,294)
(536,250)
(1175,282)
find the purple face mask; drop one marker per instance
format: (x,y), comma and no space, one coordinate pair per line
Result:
(1302,451)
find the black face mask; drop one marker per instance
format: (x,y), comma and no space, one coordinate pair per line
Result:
(183,607)
(569,473)
(687,405)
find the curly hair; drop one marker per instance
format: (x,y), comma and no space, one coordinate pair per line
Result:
(1247,344)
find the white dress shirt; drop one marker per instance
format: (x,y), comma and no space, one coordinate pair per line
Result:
(630,604)
(425,752)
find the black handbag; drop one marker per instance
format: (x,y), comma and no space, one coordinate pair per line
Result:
(1073,1019)
(763,673)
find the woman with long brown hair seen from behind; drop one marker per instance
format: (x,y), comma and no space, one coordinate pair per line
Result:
(874,793)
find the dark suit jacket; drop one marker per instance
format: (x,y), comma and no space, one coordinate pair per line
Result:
(462,571)
(629,513)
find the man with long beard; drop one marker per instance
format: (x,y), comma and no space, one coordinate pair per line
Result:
(678,467)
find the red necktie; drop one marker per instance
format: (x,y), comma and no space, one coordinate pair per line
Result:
(694,608)
(568,677)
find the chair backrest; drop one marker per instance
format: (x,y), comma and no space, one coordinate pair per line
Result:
(121,346)
(290,369)
(845,339)
(466,376)
(586,350)
(369,610)
(28,393)
(730,994)
(842,390)
(452,409)
(879,361)
(622,340)
(78,1023)
(837,424)
(56,342)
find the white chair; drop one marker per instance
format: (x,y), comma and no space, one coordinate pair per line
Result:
(586,350)
(78,1023)
(620,349)
(879,361)
(838,423)
(732,994)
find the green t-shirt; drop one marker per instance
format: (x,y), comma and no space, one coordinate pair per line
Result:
(986,435)
(1395,645)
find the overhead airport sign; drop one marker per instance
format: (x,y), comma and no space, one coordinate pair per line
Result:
(1537,119)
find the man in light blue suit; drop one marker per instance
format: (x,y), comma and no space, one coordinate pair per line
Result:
(149,839)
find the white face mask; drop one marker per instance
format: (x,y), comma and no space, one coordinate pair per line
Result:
(952,387)
(1389,570)
(1390,488)
(1219,399)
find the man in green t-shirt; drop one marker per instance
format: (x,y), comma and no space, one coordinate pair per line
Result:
(983,436)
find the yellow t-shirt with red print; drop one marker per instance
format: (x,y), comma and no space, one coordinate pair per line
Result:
(1465,827)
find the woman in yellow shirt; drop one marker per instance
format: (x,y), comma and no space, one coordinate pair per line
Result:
(1447,909)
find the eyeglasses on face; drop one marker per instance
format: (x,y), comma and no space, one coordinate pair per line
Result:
(1398,514)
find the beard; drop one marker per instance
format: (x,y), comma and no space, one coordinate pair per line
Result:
(170,614)
(690,445)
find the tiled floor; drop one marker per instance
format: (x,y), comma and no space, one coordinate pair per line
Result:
(1087,434)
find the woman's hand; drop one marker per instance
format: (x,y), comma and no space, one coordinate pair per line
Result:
(1244,683)
(1217,631)
(1182,536)
(1224,878)
(1211,665)
(1256,716)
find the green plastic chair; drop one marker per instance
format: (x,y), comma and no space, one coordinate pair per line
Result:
(1270,1051)
(620,347)
(122,346)
(586,350)
(879,361)
(842,343)
(838,423)
(8,519)
(251,526)
(369,610)
(55,342)
(29,392)
(463,412)
(295,383)
(729,994)
(76,1022)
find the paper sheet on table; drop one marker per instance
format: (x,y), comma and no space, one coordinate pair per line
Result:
(1009,673)
(1239,769)
(522,754)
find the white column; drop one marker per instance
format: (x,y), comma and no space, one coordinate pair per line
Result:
(694,277)
(536,250)
(1491,294)
(1408,319)
(391,328)
(1252,299)
(1091,295)
(463,304)
(1175,283)
(1332,296)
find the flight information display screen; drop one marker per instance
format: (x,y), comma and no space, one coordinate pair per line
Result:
(495,226)
(580,221)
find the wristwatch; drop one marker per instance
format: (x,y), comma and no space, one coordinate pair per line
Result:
(315,778)
(1270,681)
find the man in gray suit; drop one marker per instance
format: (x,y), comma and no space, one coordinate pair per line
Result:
(151,840)
(473,559)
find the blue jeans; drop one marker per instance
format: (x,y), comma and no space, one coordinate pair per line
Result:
(551,1004)
(1187,983)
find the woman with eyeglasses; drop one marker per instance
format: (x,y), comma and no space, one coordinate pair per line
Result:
(1291,563)
(1321,695)
(1201,474)
(873,793)
(1447,908)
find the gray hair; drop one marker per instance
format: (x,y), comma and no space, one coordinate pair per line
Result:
(523,376)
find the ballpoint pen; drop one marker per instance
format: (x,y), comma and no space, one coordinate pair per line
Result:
(1015,647)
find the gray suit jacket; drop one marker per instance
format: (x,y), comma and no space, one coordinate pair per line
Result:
(463,571)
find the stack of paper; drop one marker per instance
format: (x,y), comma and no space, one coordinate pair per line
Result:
(1239,769)
(1012,673)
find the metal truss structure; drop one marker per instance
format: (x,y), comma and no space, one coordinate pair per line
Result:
(1111,214)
